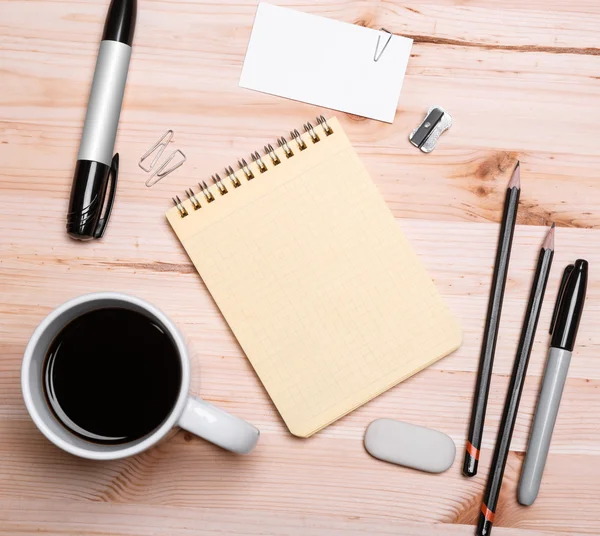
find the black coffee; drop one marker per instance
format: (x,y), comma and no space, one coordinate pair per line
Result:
(112,375)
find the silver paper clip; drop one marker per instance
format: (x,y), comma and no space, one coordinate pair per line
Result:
(377,55)
(161,145)
(161,172)
(426,135)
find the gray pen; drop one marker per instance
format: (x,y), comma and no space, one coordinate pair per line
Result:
(564,326)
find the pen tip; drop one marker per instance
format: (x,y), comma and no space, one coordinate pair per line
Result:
(515,180)
(549,240)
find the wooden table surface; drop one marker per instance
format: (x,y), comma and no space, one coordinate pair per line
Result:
(522,81)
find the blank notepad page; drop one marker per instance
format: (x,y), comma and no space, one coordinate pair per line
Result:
(317,281)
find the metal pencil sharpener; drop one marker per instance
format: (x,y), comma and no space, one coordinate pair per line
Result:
(426,135)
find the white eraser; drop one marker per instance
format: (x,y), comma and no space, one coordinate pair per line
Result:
(410,445)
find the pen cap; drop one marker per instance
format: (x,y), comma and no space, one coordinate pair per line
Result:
(91,184)
(120,21)
(569,306)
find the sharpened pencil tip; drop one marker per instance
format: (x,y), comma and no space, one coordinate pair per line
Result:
(549,240)
(515,180)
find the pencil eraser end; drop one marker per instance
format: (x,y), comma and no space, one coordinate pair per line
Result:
(410,445)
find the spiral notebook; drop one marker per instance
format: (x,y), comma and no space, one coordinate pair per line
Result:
(314,276)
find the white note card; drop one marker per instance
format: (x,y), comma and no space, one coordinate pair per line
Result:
(325,62)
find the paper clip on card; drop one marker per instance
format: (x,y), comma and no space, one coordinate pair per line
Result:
(341,66)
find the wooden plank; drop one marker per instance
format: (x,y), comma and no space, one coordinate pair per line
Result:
(26,518)
(333,477)
(459,256)
(439,397)
(521,83)
(327,477)
(552,96)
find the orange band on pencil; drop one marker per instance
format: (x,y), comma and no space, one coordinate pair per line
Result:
(488,514)
(472,450)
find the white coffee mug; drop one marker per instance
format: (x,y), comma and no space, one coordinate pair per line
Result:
(189,412)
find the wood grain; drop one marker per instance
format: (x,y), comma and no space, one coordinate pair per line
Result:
(522,82)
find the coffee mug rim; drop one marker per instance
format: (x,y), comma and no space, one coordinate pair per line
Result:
(150,440)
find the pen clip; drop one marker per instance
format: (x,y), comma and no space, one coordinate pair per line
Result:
(561,290)
(112,177)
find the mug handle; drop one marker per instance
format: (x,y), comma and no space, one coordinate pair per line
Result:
(217,426)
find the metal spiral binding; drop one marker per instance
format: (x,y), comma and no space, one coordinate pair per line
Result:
(182,212)
(272,154)
(219,184)
(193,199)
(233,177)
(207,193)
(308,128)
(257,159)
(298,139)
(286,148)
(322,122)
(247,171)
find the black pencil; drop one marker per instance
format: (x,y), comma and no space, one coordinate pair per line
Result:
(511,406)
(490,332)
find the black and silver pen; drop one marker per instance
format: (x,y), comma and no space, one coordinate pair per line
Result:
(96,167)
(564,326)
